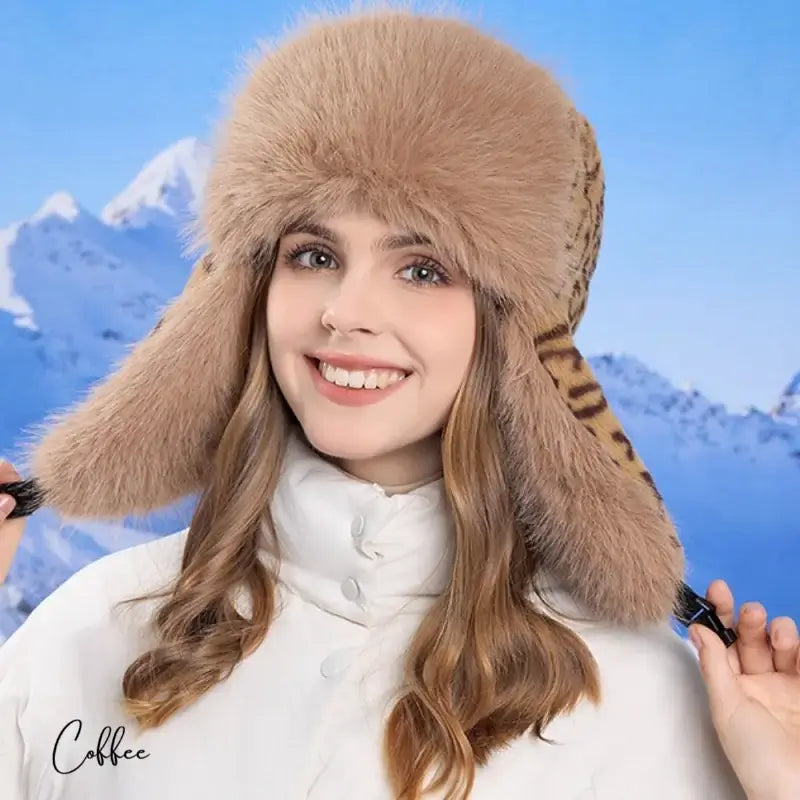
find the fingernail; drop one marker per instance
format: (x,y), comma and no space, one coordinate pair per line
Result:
(7,503)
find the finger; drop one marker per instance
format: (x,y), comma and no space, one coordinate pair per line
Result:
(12,530)
(755,653)
(785,644)
(720,595)
(723,690)
(7,472)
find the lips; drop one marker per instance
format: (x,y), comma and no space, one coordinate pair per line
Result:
(347,396)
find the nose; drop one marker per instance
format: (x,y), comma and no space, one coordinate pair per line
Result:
(352,305)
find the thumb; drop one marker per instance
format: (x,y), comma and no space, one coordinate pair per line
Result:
(723,690)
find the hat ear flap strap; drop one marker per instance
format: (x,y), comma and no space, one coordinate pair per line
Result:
(572,377)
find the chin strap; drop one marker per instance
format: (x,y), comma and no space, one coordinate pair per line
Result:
(691,607)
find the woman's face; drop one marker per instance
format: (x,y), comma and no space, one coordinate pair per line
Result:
(338,290)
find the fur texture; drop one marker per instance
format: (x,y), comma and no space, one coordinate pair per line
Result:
(435,126)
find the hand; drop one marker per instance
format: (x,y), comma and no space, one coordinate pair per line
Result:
(10,529)
(754,695)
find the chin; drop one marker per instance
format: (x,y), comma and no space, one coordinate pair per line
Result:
(345,443)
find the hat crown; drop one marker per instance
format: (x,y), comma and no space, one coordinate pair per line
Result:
(426,122)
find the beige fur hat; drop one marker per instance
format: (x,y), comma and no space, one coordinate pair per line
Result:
(440,128)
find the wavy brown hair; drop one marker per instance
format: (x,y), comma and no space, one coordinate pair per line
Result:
(485,665)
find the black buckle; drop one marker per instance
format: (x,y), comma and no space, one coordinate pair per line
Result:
(692,608)
(27,493)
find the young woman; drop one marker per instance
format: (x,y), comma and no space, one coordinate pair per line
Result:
(425,559)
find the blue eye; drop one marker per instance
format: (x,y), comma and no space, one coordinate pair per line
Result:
(292,258)
(429,268)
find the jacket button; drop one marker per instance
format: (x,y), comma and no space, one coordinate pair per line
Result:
(336,663)
(350,589)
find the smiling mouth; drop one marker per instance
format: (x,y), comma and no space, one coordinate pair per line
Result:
(406,373)
(315,362)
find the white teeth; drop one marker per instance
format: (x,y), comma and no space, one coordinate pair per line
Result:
(358,379)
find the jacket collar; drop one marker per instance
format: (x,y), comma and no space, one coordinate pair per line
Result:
(351,548)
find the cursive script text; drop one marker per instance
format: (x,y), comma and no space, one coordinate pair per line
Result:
(105,750)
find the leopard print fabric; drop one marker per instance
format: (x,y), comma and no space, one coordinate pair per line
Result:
(570,372)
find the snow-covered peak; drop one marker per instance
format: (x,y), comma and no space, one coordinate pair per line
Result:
(789,403)
(60,204)
(167,189)
(636,391)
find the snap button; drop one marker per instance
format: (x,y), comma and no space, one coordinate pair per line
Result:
(357,528)
(336,663)
(350,588)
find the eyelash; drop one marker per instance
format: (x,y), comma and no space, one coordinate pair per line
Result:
(298,250)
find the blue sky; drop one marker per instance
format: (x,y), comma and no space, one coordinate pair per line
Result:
(696,108)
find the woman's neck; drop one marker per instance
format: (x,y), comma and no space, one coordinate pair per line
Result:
(407,487)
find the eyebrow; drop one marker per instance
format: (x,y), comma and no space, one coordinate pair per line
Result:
(392,241)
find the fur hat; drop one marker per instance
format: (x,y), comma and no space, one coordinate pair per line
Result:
(434,125)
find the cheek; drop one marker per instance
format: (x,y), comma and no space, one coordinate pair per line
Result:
(445,341)
(287,314)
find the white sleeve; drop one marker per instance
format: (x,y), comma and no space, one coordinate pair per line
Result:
(15,656)
(671,750)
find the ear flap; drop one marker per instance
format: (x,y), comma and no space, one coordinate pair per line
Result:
(144,437)
(583,495)
(591,507)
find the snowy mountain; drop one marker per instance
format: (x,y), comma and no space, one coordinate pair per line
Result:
(166,191)
(693,420)
(75,289)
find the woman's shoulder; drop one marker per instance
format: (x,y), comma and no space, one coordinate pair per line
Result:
(87,598)
(651,734)
(646,672)
(650,656)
